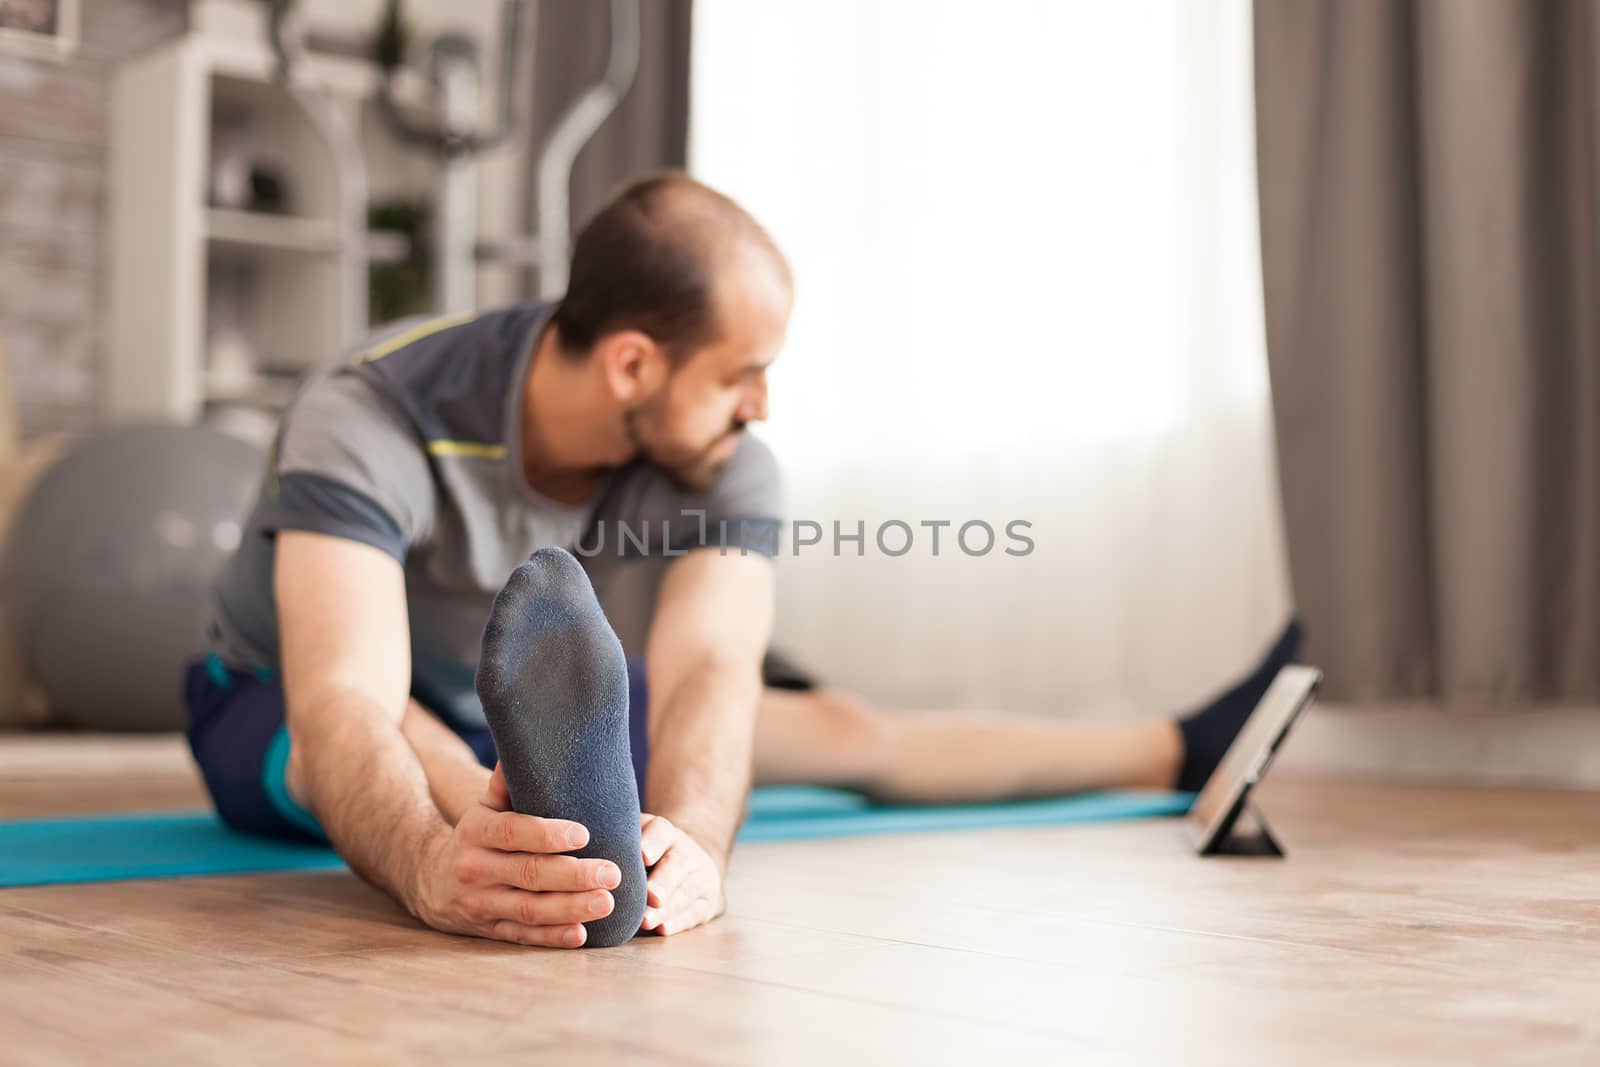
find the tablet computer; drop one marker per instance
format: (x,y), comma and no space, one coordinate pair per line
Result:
(1218,821)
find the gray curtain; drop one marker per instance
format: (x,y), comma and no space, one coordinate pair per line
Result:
(649,130)
(1428,182)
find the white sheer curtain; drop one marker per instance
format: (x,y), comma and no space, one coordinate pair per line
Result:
(1024,234)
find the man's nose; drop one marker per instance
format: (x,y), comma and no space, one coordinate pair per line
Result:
(754,408)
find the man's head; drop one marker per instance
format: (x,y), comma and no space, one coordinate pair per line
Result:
(683,299)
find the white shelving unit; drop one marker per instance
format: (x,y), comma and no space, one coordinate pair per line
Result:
(286,289)
(280,233)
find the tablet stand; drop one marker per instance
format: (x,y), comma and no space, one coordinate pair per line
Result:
(1244,833)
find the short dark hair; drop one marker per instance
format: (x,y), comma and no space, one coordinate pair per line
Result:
(646,263)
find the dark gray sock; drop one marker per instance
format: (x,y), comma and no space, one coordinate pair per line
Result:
(1208,732)
(554,686)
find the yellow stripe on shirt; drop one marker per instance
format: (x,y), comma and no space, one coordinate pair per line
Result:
(416,333)
(473,449)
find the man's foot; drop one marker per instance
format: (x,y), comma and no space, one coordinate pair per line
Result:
(554,686)
(1208,732)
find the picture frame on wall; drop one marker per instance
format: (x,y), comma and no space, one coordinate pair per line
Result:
(45,29)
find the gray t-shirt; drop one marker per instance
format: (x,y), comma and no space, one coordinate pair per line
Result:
(415,448)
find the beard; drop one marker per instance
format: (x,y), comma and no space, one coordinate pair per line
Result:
(694,470)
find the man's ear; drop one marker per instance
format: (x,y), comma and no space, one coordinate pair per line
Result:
(634,365)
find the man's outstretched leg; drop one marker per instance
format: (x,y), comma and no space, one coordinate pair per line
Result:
(826,737)
(554,686)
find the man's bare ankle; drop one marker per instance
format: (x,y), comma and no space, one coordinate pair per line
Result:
(1163,742)
(294,779)
(1171,753)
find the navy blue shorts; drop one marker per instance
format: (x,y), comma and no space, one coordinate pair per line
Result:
(238,737)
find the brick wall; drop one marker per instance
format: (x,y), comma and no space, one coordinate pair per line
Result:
(53,140)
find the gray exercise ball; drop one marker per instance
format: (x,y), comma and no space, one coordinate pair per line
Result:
(109,567)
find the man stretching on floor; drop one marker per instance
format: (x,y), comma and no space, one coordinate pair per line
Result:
(371,659)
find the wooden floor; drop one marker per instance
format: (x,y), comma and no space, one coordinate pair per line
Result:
(1409,925)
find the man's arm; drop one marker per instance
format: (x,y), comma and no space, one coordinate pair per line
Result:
(710,630)
(346,671)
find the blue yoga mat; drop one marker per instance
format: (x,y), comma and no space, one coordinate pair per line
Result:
(108,848)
